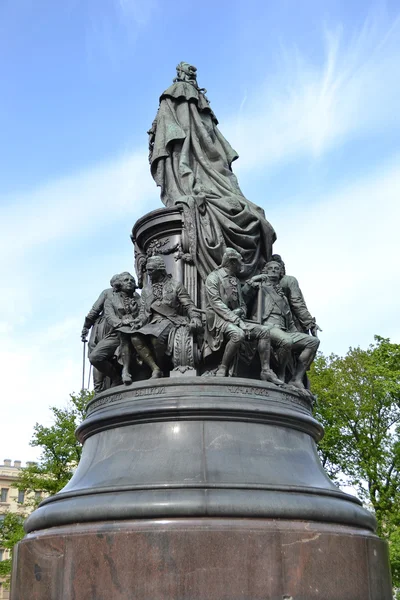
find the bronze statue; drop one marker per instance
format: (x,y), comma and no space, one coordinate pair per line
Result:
(225,314)
(191,161)
(222,240)
(275,314)
(161,305)
(119,310)
(96,322)
(301,315)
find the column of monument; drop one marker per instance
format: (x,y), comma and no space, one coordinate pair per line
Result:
(199,476)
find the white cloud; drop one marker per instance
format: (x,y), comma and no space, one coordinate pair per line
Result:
(136,12)
(310,105)
(344,249)
(113,30)
(74,204)
(38,372)
(71,208)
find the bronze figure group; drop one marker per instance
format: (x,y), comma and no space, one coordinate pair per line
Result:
(265,319)
(249,317)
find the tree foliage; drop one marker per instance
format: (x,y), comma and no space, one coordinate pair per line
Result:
(60,455)
(11,532)
(61,450)
(358,403)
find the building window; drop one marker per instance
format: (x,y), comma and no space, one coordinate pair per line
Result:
(4,492)
(1,554)
(21,496)
(38,495)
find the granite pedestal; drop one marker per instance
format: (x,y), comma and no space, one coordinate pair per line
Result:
(201,488)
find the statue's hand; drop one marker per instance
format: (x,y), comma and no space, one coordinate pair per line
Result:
(314,330)
(256,280)
(239,312)
(127,320)
(200,200)
(84,334)
(195,325)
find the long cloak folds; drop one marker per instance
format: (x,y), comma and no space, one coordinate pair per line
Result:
(191,162)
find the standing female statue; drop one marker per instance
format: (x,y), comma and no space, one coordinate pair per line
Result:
(191,162)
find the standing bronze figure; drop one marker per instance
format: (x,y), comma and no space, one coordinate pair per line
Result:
(95,322)
(191,162)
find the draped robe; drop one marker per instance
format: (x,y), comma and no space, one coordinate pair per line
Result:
(191,162)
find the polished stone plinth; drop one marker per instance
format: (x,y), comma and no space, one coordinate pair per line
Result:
(201,487)
(202,559)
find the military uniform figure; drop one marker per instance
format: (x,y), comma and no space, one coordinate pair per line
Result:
(225,311)
(301,315)
(96,322)
(277,317)
(122,311)
(164,305)
(117,315)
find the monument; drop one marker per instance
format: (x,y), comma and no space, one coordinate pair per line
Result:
(199,476)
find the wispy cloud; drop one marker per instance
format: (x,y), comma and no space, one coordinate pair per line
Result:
(38,373)
(113,29)
(342,248)
(70,208)
(136,12)
(80,202)
(312,104)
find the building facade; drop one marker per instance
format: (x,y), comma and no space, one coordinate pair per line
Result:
(11,500)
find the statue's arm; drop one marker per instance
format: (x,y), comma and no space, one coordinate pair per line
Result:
(217,304)
(95,311)
(298,305)
(111,315)
(187,303)
(143,316)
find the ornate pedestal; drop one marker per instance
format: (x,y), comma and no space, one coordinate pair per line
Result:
(162,232)
(198,488)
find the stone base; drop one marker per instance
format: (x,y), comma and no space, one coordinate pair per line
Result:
(199,488)
(196,447)
(202,559)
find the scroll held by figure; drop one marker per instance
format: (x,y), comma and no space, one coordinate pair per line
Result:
(190,161)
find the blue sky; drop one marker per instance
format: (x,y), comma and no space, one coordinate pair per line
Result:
(307,92)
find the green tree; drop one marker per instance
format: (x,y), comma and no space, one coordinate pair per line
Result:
(61,450)
(11,532)
(358,403)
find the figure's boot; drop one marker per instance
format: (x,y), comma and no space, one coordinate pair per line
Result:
(126,359)
(264,351)
(282,355)
(231,349)
(110,371)
(146,356)
(98,381)
(303,364)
